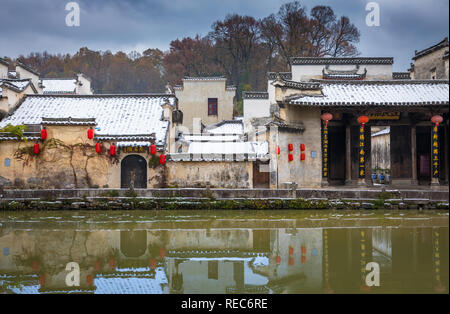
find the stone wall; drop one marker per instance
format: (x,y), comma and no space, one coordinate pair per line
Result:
(218,174)
(67,159)
(423,66)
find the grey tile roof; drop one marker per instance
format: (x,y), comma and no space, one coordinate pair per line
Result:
(284,75)
(355,60)
(379,93)
(255,95)
(442,44)
(124,115)
(401,75)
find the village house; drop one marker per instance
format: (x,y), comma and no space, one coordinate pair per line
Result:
(431,63)
(14,85)
(319,117)
(311,128)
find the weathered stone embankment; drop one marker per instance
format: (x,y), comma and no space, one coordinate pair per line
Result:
(217,199)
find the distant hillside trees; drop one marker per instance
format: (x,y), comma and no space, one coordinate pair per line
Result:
(242,48)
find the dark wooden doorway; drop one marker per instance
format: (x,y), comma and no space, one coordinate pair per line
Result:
(336,155)
(261,175)
(423,138)
(133,168)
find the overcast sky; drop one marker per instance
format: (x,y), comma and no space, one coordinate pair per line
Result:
(39,25)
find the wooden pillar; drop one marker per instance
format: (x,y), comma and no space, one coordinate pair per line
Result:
(414,155)
(348,155)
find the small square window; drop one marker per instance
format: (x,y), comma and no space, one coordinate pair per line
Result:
(212,106)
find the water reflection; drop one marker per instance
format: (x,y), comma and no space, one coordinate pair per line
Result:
(288,254)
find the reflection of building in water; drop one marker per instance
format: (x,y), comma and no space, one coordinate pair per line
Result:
(225,260)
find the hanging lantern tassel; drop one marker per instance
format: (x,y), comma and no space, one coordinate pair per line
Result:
(43,134)
(153,149)
(98,148)
(278,151)
(36,149)
(90,134)
(162,159)
(112,150)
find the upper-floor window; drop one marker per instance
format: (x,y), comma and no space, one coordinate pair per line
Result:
(433,73)
(212,106)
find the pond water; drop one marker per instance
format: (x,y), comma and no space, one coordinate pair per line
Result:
(224,252)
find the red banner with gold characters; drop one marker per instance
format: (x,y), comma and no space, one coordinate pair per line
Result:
(325,151)
(362,163)
(435,152)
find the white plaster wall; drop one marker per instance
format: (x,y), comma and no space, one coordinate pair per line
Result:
(256,108)
(3,71)
(308,72)
(85,88)
(309,172)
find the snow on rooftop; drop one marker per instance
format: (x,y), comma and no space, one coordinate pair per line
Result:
(54,86)
(226,127)
(114,114)
(378,93)
(260,149)
(211,138)
(382,132)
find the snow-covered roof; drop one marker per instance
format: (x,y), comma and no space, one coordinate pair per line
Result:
(128,115)
(226,127)
(258,148)
(378,93)
(211,137)
(14,84)
(59,86)
(382,132)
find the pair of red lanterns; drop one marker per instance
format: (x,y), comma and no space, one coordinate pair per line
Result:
(291,156)
(112,149)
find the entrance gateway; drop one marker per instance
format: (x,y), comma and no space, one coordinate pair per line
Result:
(133,172)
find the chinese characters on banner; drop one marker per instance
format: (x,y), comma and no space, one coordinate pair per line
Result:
(134,149)
(435,154)
(362,164)
(325,151)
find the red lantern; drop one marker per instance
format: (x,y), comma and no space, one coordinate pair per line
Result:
(278,151)
(303,259)
(152,263)
(437,119)
(42,280)
(112,263)
(302,147)
(278,259)
(162,159)
(44,134)
(162,252)
(97,265)
(326,117)
(90,134)
(291,157)
(302,157)
(89,280)
(291,261)
(153,149)
(291,147)
(303,248)
(112,150)
(35,265)
(36,149)
(291,250)
(98,148)
(363,120)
